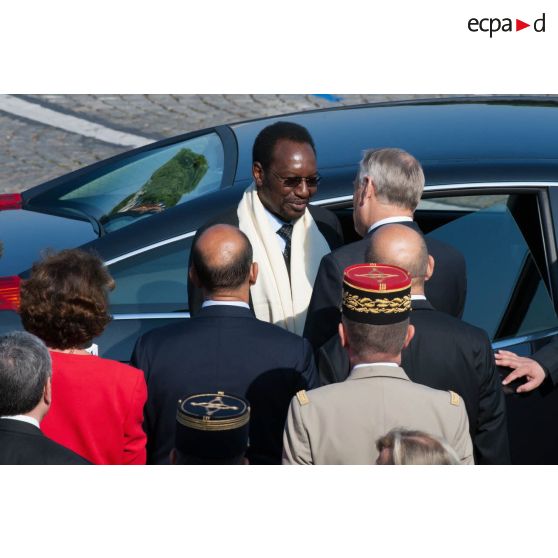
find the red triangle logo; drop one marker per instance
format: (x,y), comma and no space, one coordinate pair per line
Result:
(519,25)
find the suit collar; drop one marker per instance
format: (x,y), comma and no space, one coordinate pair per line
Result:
(410,224)
(238,303)
(378,371)
(10,425)
(389,221)
(221,310)
(421,305)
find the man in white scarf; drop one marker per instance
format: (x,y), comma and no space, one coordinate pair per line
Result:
(289,237)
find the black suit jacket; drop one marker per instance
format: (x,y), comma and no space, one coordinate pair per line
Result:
(223,348)
(547,357)
(326,221)
(447,354)
(22,443)
(446,289)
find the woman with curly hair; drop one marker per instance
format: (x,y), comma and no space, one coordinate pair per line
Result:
(97,404)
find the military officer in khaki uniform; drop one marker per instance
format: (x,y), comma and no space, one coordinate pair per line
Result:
(340,423)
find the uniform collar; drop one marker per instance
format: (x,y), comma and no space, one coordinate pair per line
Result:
(377,370)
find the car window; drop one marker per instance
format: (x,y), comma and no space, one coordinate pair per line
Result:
(153,281)
(148,182)
(506,293)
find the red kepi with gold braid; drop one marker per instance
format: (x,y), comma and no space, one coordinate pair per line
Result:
(376,293)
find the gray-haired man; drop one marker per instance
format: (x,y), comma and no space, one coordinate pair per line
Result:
(25,395)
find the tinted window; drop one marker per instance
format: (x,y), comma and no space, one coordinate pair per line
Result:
(506,295)
(153,281)
(148,182)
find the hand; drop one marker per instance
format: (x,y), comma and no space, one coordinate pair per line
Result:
(522,367)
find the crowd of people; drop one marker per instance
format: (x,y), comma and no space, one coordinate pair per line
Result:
(300,350)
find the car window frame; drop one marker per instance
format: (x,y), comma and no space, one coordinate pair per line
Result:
(128,255)
(546,192)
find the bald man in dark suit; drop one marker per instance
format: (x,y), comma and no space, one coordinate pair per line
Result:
(223,348)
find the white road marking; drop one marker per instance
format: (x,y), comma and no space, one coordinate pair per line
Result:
(38,113)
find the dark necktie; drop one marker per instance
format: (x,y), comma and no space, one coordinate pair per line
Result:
(286,233)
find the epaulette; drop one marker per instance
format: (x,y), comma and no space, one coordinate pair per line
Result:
(302,397)
(454,398)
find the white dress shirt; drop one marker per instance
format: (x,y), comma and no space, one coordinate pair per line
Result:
(276,224)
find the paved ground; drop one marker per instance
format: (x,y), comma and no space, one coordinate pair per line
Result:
(31,152)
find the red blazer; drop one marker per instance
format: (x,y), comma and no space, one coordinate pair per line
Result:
(97,409)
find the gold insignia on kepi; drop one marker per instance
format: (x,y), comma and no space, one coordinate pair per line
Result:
(376,294)
(213,411)
(302,397)
(212,425)
(454,398)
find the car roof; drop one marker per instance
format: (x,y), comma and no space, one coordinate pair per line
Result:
(492,131)
(456,140)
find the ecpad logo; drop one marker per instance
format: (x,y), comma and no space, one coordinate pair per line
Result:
(494,24)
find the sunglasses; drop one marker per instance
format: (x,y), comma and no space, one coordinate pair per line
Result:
(295,181)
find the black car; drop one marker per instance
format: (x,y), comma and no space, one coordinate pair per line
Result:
(491,169)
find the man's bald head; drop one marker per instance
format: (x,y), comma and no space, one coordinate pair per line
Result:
(401,246)
(222,258)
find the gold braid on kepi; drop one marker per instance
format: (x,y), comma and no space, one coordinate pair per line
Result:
(212,425)
(376,294)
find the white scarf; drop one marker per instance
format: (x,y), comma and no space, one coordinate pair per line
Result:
(276,299)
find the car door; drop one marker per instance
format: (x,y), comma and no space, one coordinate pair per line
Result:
(507,239)
(151,291)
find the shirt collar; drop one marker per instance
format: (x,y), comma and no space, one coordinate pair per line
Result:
(24,418)
(387,221)
(274,221)
(238,303)
(378,370)
(417,297)
(375,364)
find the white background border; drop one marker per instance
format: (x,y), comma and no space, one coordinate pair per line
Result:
(64,46)
(286,46)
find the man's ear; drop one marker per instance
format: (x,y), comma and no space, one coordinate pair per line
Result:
(360,192)
(409,336)
(254,269)
(366,191)
(47,392)
(370,188)
(343,335)
(429,268)
(193,275)
(257,173)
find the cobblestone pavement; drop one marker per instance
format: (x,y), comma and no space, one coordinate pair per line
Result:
(31,153)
